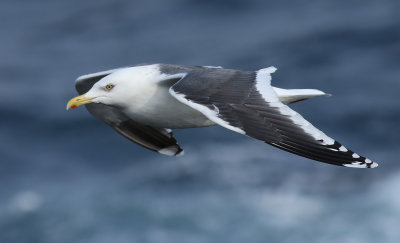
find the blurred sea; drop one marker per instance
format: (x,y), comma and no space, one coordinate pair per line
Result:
(67,177)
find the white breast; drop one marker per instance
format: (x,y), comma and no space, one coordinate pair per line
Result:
(160,109)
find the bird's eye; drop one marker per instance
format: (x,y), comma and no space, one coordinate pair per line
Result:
(109,87)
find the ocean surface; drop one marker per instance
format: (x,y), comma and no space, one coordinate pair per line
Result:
(67,177)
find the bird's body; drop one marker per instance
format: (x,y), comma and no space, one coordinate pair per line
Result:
(157,107)
(144,102)
(167,112)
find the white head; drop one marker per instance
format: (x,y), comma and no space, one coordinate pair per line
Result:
(121,88)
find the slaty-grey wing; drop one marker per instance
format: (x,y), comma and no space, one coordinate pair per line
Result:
(231,98)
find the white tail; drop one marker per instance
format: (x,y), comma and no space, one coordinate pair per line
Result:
(288,96)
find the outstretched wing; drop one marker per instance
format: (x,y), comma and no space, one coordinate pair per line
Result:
(157,139)
(246,103)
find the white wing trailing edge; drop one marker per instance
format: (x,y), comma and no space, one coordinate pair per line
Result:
(245,102)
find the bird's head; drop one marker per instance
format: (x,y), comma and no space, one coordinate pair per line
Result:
(119,89)
(104,91)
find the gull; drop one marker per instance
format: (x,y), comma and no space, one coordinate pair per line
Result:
(144,102)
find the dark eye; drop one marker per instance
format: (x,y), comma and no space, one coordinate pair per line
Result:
(109,87)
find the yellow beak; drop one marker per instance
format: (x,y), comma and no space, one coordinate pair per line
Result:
(78,101)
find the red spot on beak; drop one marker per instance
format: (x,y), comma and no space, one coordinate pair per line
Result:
(74,106)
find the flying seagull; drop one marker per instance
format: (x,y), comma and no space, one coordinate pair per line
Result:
(144,102)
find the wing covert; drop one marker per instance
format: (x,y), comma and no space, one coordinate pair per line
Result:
(246,103)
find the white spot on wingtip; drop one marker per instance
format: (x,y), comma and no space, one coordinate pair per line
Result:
(359,165)
(171,150)
(343,149)
(374,165)
(356,156)
(354,165)
(371,164)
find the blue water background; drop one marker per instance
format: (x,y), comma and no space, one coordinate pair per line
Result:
(67,177)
